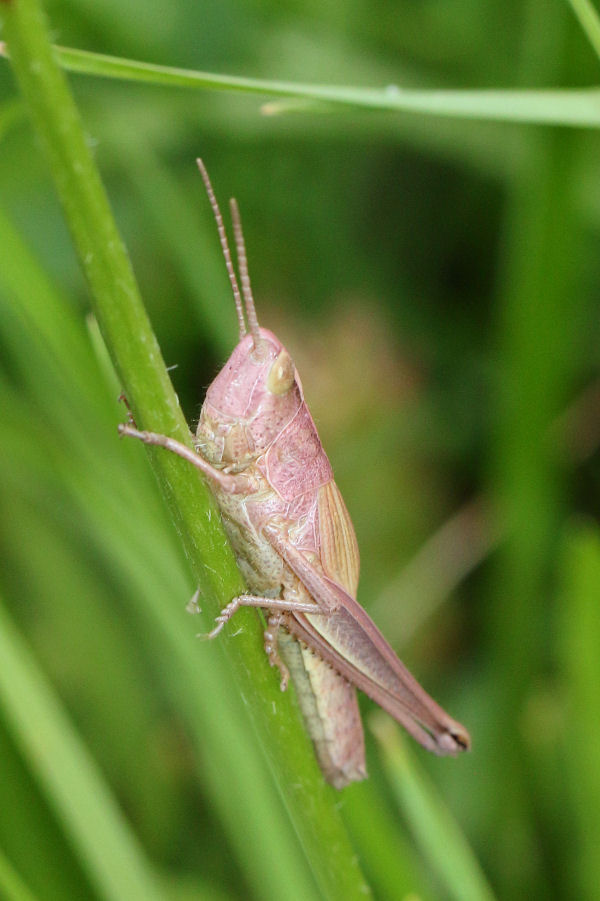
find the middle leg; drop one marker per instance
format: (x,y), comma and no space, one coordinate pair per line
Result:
(274,621)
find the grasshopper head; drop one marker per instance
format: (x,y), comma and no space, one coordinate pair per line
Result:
(256,394)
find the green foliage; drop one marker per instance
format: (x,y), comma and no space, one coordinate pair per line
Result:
(433,274)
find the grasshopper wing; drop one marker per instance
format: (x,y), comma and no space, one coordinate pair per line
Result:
(327,699)
(348,639)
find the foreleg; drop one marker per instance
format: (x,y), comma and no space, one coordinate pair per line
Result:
(233,484)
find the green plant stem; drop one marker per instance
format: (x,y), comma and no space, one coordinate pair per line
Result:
(137,359)
(577,107)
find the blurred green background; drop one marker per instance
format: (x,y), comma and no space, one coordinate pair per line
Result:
(436,281)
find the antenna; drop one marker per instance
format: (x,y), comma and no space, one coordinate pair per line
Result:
(242,260)
(225,247)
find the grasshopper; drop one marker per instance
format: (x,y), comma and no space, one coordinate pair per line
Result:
(294,541)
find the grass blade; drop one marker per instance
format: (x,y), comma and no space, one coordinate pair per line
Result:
(12,887)
(576,107)
(69,776)
(589,21)
(579,638)
(437,833)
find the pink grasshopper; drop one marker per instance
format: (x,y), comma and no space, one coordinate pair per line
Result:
(294,541)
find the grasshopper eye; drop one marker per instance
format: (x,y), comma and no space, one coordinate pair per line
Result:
(282,374)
